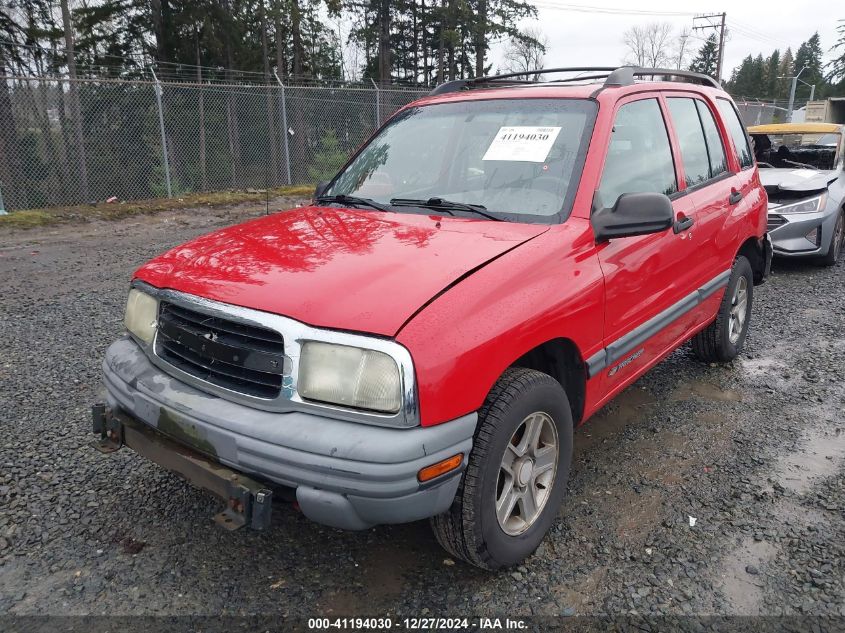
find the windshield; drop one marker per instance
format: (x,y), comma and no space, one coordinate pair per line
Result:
(519,158)
(816,151)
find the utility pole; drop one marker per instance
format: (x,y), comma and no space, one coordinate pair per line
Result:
(792,88)
(720,27)
(76,111)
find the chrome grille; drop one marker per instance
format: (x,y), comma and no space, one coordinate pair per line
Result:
(235,356)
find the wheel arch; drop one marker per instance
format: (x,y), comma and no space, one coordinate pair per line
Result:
(562,360)
(752,250)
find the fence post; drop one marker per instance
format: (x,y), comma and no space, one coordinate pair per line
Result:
(164,155)
(2,206)
(378,103)
(284,124)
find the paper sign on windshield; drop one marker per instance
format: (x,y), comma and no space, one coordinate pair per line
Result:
(522,143)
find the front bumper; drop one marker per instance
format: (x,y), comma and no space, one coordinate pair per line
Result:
(346,474)
(789,238)
(248,502)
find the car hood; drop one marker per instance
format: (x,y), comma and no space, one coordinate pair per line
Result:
(336,268)
(797,180)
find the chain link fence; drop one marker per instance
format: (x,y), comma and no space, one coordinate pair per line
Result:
(68,142)
(757,112)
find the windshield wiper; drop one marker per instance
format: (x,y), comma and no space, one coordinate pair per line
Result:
(444,205)
(351,201)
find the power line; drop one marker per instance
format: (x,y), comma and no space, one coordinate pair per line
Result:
(581,8)
(753,30)
(738,28)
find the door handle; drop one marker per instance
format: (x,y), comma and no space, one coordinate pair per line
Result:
(682,224)
(735,197)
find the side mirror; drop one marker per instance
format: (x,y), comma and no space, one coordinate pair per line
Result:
(321,188)
(633,214)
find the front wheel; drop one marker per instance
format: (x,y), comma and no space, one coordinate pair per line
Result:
(516,477)
(723,340)
(834,250)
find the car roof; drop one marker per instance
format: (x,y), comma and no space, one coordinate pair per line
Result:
(572,83)
(551,90)
(796,128)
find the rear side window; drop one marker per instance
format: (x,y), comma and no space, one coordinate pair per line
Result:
(715,149)
(737,132)
(639,158)
(691,139)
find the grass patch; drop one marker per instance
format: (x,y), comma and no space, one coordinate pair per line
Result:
(31,218)
(27,219)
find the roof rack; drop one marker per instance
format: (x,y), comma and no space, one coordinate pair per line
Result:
(612,75)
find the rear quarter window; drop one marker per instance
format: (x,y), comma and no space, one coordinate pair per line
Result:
(690,135)
(737,131)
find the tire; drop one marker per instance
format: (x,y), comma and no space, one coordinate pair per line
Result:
(471,530)
(834,249)
(722,341)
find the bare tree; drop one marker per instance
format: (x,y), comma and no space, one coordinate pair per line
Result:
(527,53)
(649,45)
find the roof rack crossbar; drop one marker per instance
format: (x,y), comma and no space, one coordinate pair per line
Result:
(701,78)
(613,76)
(466,84)
(578,78)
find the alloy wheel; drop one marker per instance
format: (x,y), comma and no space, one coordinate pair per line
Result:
(527,473)
(739,310)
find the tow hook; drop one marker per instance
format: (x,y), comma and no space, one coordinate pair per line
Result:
(109,428)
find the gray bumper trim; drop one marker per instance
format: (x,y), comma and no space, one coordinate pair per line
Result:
(347,474)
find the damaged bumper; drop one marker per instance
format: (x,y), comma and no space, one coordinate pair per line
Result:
(801,234)
(345,474)
(248,502)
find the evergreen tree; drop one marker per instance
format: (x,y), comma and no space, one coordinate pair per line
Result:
(328,158)
(707,59)
(772,83)
(785,70)
(741,83)
(837,65)
(809,56)
(11,35)
(758,77)
(434,40)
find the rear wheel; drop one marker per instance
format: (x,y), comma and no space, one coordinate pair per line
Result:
(723,340)
(516,478)
(834,250)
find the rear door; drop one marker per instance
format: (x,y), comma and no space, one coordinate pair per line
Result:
(647,278)
(748,197)
(707,183)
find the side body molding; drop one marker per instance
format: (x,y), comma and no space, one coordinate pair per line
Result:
(627,343)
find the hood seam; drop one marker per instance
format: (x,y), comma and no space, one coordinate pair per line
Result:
(461,277)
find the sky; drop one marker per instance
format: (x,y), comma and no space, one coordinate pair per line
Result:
(588,36)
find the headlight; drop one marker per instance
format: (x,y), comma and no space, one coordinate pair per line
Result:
(349,376)
(141,315)
(808,205)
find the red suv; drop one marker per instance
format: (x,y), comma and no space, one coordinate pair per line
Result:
(489,270)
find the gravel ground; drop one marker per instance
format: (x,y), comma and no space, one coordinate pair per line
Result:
(754,451)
